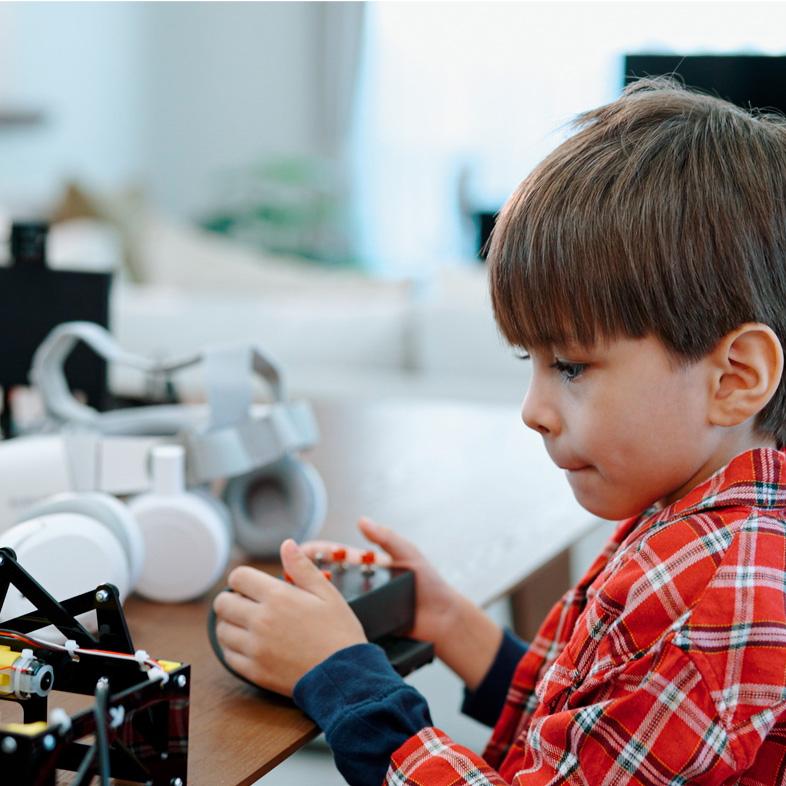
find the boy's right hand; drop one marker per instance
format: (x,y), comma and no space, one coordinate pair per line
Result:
(437,602)
(463,635)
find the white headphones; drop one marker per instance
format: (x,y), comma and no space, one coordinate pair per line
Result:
(168,544)
(271,494)
(173,543)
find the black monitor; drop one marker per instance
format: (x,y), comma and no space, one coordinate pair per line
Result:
(746,80)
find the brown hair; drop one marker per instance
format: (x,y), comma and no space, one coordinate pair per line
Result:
(664,214)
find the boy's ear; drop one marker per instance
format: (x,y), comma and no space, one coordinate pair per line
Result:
(746,367)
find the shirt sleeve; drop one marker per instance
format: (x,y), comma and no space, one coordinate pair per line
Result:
(365,709)
(485,703)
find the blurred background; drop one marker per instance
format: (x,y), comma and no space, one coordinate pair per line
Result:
(319,178)
(280,171)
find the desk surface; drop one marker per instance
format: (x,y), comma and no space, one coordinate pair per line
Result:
(468,483)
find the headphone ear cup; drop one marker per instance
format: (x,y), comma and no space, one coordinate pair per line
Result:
(286,499)
(68,554)
(187,545)
(107,510)
(218,506)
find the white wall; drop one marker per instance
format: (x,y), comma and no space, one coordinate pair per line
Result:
(159,94)
(227,82)
(78,63)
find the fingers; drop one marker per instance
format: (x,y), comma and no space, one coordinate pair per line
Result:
(234,608)
(399,548)
(242,664)
(233,637)
(251,582)
(303,572)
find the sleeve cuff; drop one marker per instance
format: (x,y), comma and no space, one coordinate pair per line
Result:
(365,709)
(485,703)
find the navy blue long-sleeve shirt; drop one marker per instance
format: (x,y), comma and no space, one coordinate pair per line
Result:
(368,711)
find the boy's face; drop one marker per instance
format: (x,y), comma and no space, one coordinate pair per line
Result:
(630,428)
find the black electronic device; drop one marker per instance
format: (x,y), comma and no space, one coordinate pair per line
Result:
(34,299)
(140,719)
(746,80)
(383,599)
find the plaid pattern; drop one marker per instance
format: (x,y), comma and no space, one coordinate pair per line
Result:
(666,664)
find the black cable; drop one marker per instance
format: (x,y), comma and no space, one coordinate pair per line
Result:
(102,739)
(85,766)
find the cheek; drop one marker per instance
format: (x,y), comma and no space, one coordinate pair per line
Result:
(642,442)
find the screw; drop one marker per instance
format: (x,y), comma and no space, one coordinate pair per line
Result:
(8,745)
(49,743)
(164,755)
(102,596)
(181,680)
(176,782)
(1,560)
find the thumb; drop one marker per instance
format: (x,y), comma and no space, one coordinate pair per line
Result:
(398,547)
(303,572)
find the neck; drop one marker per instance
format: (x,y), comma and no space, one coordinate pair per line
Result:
(733,442)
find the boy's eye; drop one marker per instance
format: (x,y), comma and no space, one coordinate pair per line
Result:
(569,371)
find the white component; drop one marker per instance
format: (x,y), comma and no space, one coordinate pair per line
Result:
(186,542)
(186,547)
(32,468)
(68,554)
(117,714)
(106,510)
(123,464)
(60,718)
(169,469)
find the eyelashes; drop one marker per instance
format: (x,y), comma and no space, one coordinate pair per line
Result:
(568,371)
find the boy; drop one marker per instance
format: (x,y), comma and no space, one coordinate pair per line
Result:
(643,267)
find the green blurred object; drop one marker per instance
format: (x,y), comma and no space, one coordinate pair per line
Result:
(295,205)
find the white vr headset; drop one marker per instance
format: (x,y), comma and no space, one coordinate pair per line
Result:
(177,536)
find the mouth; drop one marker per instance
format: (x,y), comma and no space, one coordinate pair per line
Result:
(575,469)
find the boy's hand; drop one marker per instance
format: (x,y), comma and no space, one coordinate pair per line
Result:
(464,637)
(436,601)
(273,632)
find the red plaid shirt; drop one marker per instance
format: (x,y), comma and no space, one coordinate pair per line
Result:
(666,664)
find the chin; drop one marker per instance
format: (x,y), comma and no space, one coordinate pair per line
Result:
(611,510)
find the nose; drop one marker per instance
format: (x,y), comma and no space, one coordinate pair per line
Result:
(538,413)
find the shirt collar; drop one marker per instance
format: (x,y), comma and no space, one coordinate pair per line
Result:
(753,479)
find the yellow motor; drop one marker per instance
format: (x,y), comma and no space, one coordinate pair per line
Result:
(24,675)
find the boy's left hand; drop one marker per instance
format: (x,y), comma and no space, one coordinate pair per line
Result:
(273,632)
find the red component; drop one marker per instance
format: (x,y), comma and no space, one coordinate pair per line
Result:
(339,555)
(368,557)
(288,578)
(328,575)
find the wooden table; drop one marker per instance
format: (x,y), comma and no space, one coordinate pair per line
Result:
(468,483)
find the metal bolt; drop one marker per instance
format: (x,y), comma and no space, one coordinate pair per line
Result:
(164,755)
(49,742)
(181,680)
(176,782)
(8,745)
(102,596)
(1,560)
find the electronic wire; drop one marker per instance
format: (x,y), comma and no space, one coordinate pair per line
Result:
(36,642)
(102,739)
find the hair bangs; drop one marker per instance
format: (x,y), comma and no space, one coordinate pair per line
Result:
(560,273)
